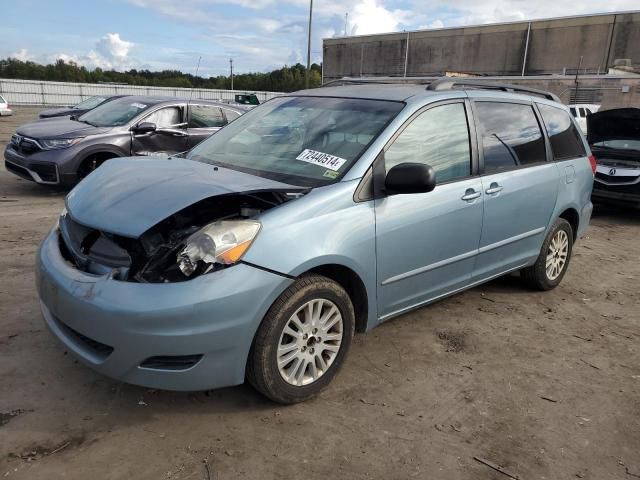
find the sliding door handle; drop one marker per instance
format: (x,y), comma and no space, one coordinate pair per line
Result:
(470,195)
(493,189)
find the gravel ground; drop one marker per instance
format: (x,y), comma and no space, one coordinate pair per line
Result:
(544,385)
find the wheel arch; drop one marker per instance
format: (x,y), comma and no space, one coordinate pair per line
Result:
(348,279)
(572,216)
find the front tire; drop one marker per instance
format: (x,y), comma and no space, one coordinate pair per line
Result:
(553,261)
(302,341)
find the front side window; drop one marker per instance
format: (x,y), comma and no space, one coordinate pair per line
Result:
(115,113)
(203,116)
(307,141)
(510,134)
(438,137)
(563,135)
(165,117)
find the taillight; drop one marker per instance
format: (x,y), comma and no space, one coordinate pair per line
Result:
(594,164)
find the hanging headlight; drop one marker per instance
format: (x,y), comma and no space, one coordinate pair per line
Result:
(223,242)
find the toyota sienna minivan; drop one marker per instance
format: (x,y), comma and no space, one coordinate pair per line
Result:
(316,215)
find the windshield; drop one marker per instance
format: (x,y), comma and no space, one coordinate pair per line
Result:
(308,141)
(114,113)
(90,103)
(619,144)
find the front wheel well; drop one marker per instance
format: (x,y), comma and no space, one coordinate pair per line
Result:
(92,161)
(353,284)
(571,216)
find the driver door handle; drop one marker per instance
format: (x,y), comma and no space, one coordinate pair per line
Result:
(470,194)
(493,188)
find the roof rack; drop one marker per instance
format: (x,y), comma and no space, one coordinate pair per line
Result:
(448,83)
(443,83)
(380,80)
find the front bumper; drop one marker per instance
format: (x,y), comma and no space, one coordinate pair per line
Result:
(43,167)
(628,195)
(114,326)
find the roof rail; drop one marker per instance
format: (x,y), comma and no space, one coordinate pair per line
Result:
(448,83)
(380,80)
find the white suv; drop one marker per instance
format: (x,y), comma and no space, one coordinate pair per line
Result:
(4,107)
(580,112)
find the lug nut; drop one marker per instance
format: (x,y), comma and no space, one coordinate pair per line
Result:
(315,330)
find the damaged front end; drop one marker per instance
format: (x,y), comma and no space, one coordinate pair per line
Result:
(207,236)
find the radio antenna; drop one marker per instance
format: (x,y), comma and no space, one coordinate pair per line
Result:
(196,76)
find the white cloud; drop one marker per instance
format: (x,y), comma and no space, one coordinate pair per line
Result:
(111,46)
(435,24)
(23,55)
(110,52)
(370,16)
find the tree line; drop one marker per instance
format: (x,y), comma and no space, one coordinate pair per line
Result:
(285,79)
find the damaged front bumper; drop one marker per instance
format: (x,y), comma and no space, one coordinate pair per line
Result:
(192,335)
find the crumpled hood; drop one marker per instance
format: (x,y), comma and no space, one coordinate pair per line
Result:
(616,124)
(61,127)
(127,196)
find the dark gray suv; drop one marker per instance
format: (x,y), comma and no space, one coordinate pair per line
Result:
(61,151)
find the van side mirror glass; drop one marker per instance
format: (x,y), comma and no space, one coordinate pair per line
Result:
(410,178)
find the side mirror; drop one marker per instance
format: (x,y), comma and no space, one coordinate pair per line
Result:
(410,178)
(144,127)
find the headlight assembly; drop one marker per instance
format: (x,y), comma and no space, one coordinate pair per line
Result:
(56,143)
(223,242)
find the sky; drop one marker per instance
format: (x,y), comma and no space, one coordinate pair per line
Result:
(260,35)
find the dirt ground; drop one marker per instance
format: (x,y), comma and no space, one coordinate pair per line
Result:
(546,385)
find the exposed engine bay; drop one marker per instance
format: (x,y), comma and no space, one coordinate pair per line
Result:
(207,236)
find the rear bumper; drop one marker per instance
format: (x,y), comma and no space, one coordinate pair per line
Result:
(115,327)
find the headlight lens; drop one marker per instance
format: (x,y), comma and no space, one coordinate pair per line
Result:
(55,143)
(223,242)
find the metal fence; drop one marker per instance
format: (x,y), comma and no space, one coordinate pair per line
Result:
(33,92)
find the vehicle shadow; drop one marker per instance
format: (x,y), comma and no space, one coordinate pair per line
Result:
(616,214)
(13,188)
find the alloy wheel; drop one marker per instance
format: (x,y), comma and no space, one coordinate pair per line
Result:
(310,342)
(557,254)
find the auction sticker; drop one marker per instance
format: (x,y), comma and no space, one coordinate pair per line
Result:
(323,159)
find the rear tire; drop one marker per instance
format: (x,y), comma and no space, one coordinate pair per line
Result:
(302,341)
(553,261)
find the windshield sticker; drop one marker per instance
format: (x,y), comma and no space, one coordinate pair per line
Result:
(330,174)
(139,105)
(323,159)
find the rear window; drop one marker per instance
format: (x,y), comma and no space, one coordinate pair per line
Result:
(511,136)
(565,138)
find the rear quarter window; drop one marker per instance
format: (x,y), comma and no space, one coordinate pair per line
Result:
(565,139)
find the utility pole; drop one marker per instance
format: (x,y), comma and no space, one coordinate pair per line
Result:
(346,20)
(306,78)
(575,95)
(231,65)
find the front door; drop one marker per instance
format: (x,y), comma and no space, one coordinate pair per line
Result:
(520,187)
(426,243)
(169,137)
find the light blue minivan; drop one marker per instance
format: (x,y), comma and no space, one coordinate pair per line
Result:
(316,215)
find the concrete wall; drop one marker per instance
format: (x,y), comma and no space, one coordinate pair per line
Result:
(555,46)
